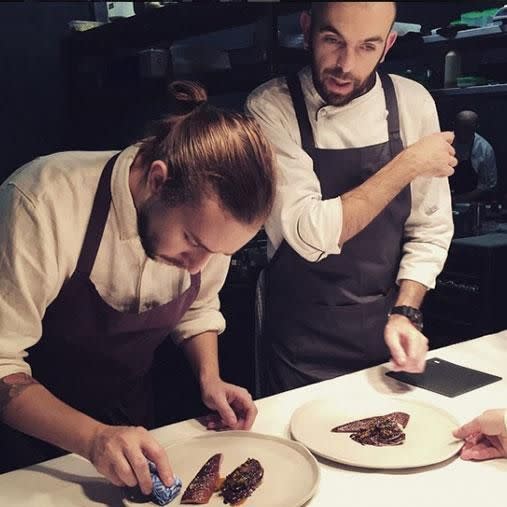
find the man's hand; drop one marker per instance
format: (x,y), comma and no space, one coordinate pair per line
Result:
(234,405)
(120,453)
(432,156)
(485,436)
(407,345)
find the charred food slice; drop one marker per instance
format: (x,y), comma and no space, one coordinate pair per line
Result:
(205,483)
(378,431)
(242,482)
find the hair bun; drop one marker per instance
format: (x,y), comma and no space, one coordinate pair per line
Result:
(185,96)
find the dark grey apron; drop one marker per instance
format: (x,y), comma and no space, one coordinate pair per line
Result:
(91,356)
(325,319)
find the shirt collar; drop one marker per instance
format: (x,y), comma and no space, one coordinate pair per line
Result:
(123,202)
(316,101)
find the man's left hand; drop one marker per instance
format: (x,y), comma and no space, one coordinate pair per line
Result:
(407,345)
(234,404)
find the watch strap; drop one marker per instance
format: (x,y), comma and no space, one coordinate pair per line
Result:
(413,314)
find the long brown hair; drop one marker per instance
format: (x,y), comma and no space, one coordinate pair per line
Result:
(212,151)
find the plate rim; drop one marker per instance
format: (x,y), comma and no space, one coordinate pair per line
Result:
(293,444)
(459,444)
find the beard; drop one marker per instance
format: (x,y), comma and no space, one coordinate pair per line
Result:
(359,87)
(335,99)
(148,241)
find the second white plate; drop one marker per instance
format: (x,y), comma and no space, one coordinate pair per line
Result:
(428,433)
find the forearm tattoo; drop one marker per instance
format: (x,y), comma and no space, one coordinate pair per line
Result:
(11,386)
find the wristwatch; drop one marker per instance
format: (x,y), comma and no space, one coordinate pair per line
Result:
(413,315)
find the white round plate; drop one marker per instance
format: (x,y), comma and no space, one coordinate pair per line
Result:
(291,473)
(428,433)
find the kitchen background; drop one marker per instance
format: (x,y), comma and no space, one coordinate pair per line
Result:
(91,75)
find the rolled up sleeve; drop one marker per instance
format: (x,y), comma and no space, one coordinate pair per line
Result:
(204,314)
(28,274)
(429,227)
(309,224)
(428,231)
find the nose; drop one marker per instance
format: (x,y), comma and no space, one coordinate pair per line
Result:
(197,261)
(346,59)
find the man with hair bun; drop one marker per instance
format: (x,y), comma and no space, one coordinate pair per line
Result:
(104,254)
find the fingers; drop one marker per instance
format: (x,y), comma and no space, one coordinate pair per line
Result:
(120,468)
(247,410)
(234,405)
(398,356)
(121,453)
(154,452)
(490,422)
(481,451)
(250,416)
(408,346)
(468,429)
(416,346)
(226,413)
(448,136)
(140,470)
(112,476)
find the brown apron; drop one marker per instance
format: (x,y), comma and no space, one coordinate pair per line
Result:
(327,318)
(91,356)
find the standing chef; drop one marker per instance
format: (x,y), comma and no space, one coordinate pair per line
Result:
(360,227)
(103,255)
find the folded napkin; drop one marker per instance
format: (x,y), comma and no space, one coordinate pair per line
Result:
(162,494)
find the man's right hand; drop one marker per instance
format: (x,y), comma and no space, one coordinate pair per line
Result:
(432,156)
(120,453)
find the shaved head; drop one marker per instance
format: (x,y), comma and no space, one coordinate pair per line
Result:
(318,8)
(468,118)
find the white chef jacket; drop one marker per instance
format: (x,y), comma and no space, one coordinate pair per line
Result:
(44,208)
(311,225)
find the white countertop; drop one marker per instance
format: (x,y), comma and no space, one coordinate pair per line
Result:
(72,481)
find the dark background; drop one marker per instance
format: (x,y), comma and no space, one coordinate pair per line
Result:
(35,95)
(54,99)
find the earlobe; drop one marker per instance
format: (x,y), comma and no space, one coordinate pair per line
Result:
(157,175)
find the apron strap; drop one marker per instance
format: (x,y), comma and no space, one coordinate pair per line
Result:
(195,281)
(305,127)
(98,218)
(393,118)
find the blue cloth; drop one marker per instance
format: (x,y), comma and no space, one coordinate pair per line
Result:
(161,493)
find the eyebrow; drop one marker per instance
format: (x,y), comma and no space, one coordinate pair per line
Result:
(329,28)
(202,245)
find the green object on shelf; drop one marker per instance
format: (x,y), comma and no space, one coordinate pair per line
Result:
(472,18)
(478,18)
(465,81)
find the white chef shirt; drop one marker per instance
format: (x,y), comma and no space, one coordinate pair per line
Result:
(483,162)
(44,208)
(311,225)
